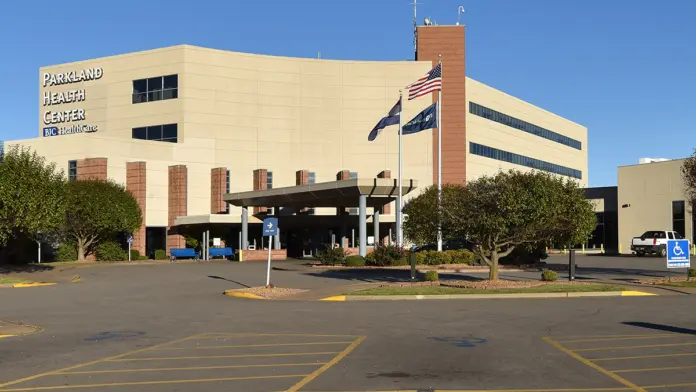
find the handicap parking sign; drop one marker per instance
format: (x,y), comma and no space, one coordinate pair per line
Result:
(678,254)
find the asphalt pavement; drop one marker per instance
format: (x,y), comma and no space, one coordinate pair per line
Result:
(169,328)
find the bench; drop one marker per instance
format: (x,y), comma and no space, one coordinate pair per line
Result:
(227,253)
(178,253)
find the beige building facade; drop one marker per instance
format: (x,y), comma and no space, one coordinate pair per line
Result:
(651,197)
(183,125)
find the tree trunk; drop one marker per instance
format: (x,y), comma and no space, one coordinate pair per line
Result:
(493,275)
(80,250)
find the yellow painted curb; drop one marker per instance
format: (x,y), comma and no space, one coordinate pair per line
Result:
(6,336)
(636,294)
(34,284)
(239,294)
(334,298)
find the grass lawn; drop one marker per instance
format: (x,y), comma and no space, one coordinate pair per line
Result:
(434,290)
(4,280)
(691,283)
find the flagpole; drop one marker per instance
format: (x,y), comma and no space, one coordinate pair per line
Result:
(439,157)
(399,204)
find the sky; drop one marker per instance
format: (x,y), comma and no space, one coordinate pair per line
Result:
(625,69)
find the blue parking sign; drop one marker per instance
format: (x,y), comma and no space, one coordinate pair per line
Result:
(678,254)
(270,227)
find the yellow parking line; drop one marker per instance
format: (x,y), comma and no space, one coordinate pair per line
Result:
(6,336)
(224,335)
(326,367)
(220,356)
(121,384)
(534,390)
(632,347)
(600,369)
(689,384)
(665,336)
(643,357)
(253,345)
(93,362)
(654,369)
(603,336)
(194,368)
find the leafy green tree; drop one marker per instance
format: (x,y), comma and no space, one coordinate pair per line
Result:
(688,172)
(32,195)
(502,212)
(97,211)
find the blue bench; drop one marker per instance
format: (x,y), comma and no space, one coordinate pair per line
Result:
(227,253)
(179,253)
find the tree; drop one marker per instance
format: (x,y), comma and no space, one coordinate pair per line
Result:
(502,212)
(97,211)
(32,195)
(688,172)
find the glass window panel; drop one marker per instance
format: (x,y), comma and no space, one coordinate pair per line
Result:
(154,84)
(169,131)
(171,81)
(154,132)
(139,97)
(169,94)
(139,86)
(154,96)
(140,133)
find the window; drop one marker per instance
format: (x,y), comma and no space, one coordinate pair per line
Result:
(72,170)
(311,179)
(159,133)
(227,190)
(156,89)
(269,180)
(500,155)
(524,126)
(678,217)
(670,236)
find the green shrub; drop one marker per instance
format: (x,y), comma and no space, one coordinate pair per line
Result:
(692,272)
(401,262)
(160,254)
(549,276)
(135,255)
(431,276)
(110,251)
(331,256)
(386,255)
(420,258)
(143,258)
(355,261)
(462,256)
(528,254)
(437,258)
(66,252)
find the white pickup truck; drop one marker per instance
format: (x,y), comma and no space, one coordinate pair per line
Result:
(653,242)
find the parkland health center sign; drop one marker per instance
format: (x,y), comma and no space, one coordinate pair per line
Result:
(58,120)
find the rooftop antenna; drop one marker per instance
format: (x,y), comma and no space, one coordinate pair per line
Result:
(460,11)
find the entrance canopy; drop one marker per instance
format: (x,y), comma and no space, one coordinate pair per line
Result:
(344,193)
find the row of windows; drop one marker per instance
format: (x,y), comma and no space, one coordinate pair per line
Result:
(516,123)
(156,89)
(490,152)
(161,133)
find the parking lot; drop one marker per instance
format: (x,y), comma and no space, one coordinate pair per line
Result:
(169,328)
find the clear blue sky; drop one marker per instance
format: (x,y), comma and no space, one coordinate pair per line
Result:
(626,69)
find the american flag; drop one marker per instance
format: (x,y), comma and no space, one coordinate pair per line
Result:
(432,81)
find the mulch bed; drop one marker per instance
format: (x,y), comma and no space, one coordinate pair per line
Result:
(270,293)
(654,281)
(443,267)
(482,284)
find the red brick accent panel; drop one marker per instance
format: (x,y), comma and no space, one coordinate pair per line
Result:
(356,251)
(136,184)
(91,169)
(385,174)
(260,178)
(448,41)
(218,185)
(178,180)
(262,255)
(302,178)
(340,176)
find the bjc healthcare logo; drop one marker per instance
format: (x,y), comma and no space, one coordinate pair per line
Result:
(56,131)
(50,131)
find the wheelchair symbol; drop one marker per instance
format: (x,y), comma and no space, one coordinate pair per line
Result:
(677,250)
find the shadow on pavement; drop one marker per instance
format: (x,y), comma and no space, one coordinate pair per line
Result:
(373,275)
(26,268)
(660,327)
(229,280)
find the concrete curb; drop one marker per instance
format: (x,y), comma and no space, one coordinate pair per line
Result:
(238,294)
(23,285)
(487,296)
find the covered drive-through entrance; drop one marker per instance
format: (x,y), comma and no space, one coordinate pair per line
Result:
(294,206)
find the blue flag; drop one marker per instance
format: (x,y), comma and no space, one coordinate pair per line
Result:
(427,119)
(392,118)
